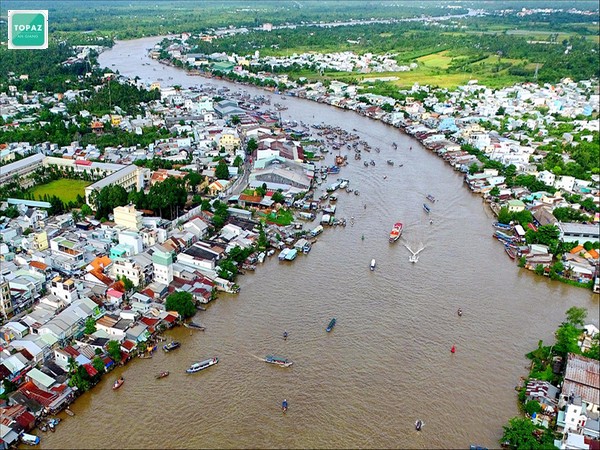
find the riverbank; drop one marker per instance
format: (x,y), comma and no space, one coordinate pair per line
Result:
(482,174)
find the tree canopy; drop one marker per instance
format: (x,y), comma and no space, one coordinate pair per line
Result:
(182,302)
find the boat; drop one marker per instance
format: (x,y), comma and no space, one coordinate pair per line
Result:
(194,326)
(52,423)
(162,375)
(366,164)
(419,425)
(459,312)
(396,232)
(502,226)
(197,367)
(278,361)
(390,162)
(30,439)
(453,349)
(171,346)
(331,325)
(284,405)
(372,266)
(69,412)
(431,198)
(426,208)
(285,335)
(118,383)
(200,308)
(510,251)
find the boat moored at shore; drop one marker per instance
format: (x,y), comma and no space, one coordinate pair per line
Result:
(331,325)
(171,346)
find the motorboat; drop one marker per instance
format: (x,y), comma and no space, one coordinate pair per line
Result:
(278,361)
(171,346)
(419,425)
(390,162)
(331,325)
(118,383)
(396,232)
(426,208)
(372,266)
(197,367)
(431,198)
(284,405)
(194,326)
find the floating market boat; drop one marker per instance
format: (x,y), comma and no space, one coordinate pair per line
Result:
(171,346)
(331,325)
(278,361)
(197,367)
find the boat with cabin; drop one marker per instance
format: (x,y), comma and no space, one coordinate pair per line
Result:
(390,162)
(194,326)
(372,266)
(197,367)
(331,325)
(396,232)
(173,345)
(118,383)
(278,361)
(431,198)
(288,254)
(30,439)
(426,208)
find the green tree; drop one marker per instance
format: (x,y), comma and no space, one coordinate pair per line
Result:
(222,171)
(532,407)
(520,434)
(90,326)
(594,350)
(238,161)
(495,191)
(126,282)
(193,179)
(235,120)
(98,364)
(539,269)
(182,302)
(504,215)
(566,339)
(576,315)
(251,145)
(473,168)
(86,210)
(278,197)
(114,350)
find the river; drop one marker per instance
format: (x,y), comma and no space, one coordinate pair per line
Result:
(386,364)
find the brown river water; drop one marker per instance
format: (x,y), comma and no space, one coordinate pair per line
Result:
(386,364)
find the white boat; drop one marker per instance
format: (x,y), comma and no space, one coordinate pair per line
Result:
(373,264)
(30,439)
(197,367)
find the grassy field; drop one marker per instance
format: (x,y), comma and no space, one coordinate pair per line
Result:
(65,189)
(435,60)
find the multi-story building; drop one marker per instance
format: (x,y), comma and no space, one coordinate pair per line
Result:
(65,290)
(128,217)
(163,266)
(6,306)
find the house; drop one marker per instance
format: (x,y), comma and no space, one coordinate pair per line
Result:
(579,232)
(515,205)
(582,378)
(199,256)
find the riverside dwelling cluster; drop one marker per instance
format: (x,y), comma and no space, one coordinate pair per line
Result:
(572,407)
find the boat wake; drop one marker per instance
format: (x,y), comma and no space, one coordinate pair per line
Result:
(414,257)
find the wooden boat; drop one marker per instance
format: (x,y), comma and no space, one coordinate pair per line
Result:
(426,208)
(194,326)
(331,325)
(197,367)
(162,375)
(69,412)
(510,251)
(278,361)
(431,198)
(118,383)
(173,345)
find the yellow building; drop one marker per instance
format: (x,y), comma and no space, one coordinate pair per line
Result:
(128,217)
(229,140)
(41,240)
(155,85)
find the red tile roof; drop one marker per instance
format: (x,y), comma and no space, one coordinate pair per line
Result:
(90,369)
(38,265)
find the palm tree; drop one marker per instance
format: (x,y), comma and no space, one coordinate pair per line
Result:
(72,365)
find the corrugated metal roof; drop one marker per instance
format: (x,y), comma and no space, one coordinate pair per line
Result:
(582,377)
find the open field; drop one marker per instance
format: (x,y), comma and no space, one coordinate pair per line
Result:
(437,60)
(65,189)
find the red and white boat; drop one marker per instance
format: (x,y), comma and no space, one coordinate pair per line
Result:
(396,232)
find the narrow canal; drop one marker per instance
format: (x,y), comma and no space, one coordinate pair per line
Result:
(386,364)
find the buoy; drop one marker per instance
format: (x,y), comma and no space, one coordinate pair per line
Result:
(453,349)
